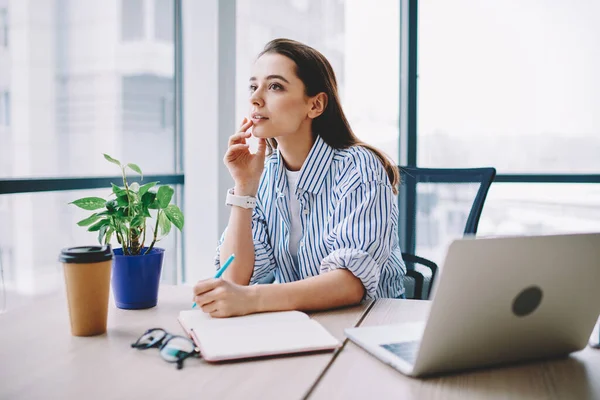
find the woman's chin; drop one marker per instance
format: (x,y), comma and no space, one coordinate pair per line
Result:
(261,133)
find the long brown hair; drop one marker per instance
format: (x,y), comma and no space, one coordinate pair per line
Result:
(316,73)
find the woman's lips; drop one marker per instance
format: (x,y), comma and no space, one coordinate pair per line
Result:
(259,120)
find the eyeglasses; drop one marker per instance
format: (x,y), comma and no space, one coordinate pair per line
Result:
(173,348)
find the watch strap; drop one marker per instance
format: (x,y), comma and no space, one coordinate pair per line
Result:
(240,201)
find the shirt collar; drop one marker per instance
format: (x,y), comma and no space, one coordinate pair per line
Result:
(313,171)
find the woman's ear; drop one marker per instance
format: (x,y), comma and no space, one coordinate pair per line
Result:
(318,105)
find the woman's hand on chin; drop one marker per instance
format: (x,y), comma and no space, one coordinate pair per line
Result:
(245,168)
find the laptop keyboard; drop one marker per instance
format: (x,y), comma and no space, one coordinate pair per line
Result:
(405,350)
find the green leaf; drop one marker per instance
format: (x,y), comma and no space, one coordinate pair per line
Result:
(148,198)
(117,190)
(124,234)
(144,189)
(112,160)
(101,233)
(134,187)
(175,216)
(146,213)
(138,220)
(122,213)
(89,203)
(164,224)
(98,225)
(109,235)
(135,168)
(111,205)
(122,201)
(91,219)
(164,195)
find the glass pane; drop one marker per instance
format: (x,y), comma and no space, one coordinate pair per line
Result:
(85,78)
(510,209)
(132,19)
(35,227)
(364,56)
(509,84)
(530,209)
(3,26)
(163,19)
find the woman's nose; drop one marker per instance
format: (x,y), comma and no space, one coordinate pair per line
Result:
(256,99)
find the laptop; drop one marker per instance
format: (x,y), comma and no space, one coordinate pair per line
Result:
(497,301)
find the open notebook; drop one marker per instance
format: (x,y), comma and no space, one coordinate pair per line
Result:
(255,335)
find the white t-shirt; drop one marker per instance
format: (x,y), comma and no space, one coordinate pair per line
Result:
(296,224)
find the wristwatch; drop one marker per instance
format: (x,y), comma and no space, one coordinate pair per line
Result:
(240,201)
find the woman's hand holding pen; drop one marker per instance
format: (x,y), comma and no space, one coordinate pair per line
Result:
(221,298)
(245,168)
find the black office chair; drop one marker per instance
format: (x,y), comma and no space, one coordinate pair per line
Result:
(439,205)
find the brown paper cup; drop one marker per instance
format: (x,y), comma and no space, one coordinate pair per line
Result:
(88,287)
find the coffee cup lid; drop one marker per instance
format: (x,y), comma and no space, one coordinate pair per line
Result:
(86,254)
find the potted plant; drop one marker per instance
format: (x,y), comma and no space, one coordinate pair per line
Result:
(130,212)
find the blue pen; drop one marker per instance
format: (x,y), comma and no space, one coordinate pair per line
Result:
(221,270)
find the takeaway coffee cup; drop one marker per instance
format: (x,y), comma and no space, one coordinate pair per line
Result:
(87,278)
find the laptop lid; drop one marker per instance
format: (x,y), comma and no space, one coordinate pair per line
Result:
(506,299)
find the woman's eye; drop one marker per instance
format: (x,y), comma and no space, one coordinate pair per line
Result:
(275,86)
(252,88)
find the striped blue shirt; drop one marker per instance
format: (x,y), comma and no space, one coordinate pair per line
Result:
(349,220)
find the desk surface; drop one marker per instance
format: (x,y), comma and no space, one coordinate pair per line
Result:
(40,358)
(357,375)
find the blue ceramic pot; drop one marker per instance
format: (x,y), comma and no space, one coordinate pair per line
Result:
(135,279)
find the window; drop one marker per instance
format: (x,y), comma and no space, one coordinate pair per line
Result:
(4,108)
(132,20)
(163,20)
(37,227)
(166,112)
(364,56)
(90,98)
(502,84)
(540,208)
(147,111)
(4,27)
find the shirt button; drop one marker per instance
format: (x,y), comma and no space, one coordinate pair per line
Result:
(306,211)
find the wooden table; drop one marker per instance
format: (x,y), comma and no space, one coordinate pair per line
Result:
(356,375)
(39,359)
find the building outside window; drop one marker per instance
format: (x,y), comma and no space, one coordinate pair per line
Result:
(5,108)
(133,15)
(4,27)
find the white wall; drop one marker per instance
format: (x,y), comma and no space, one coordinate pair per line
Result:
(208,87)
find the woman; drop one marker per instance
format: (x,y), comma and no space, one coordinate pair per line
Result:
(319,213)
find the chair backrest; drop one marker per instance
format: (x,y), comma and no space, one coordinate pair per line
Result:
(438,205)
(437,199)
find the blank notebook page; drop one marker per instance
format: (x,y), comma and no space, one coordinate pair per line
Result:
(256,335)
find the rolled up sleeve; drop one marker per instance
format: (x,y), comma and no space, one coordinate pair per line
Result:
(361,234)
(264,259)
